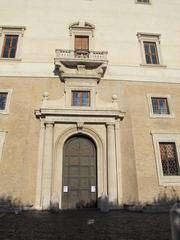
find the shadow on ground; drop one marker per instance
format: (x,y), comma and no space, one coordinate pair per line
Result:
(85,225)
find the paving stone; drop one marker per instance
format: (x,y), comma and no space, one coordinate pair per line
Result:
(85,225)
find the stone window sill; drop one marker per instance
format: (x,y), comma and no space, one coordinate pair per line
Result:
(153,65)
(10,59)
(162,116)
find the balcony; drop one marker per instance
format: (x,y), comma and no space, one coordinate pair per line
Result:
(72,58)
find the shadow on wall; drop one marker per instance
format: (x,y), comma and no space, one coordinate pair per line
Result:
(9,204)
(167,196)
(102,204)
(162,203)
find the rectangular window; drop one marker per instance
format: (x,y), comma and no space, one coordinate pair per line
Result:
(81,98)
(3,100)
(150,49)
(169,159)
(143,1)
(160,105)
(151,53)
(10,46)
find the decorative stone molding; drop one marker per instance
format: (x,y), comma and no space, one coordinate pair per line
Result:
(80,125)
(69,65)
(45,96)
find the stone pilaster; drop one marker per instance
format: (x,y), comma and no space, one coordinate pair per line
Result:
(112,168)
(47,166)
(119,161)
(38,203)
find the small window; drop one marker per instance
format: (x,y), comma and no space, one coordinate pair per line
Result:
(151,53)
(5,95)
(3,100)
(169,160)
(81,98)
(143,1)
(10,46)
(160,105)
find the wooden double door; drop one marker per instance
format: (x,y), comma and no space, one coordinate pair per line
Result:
(79,184)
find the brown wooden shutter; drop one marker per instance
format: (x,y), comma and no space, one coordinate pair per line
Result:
(81,42)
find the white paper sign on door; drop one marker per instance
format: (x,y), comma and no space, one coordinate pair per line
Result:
(65,189)
(93,188)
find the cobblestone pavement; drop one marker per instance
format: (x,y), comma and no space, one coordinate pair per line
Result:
(85,225)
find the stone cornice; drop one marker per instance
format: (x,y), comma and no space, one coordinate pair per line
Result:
(90,115)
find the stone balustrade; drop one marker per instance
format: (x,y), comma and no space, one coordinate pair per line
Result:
(81,54)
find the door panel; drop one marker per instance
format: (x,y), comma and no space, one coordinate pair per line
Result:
(79,173)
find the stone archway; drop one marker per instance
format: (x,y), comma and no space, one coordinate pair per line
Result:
(79,173)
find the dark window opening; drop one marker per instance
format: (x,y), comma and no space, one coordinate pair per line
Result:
(151,53)
(10,46)
(3,100)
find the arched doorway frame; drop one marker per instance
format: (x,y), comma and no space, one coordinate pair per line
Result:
(58,161)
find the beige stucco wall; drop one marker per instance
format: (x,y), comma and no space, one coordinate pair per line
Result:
(116,26)
(18,166)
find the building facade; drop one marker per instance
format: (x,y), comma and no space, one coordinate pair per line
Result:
(89,102)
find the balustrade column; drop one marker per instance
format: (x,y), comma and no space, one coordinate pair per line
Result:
(112,171)
(47,166)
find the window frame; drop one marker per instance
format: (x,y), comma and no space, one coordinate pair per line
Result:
(153,38)
(9,93)
(171,138)
(11,30)
(79,86)
(156,115)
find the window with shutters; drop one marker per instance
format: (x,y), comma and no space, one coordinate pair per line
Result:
(11,42)
(167,155)
(5,95)
(81,45)
(150,49)
(81,37)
